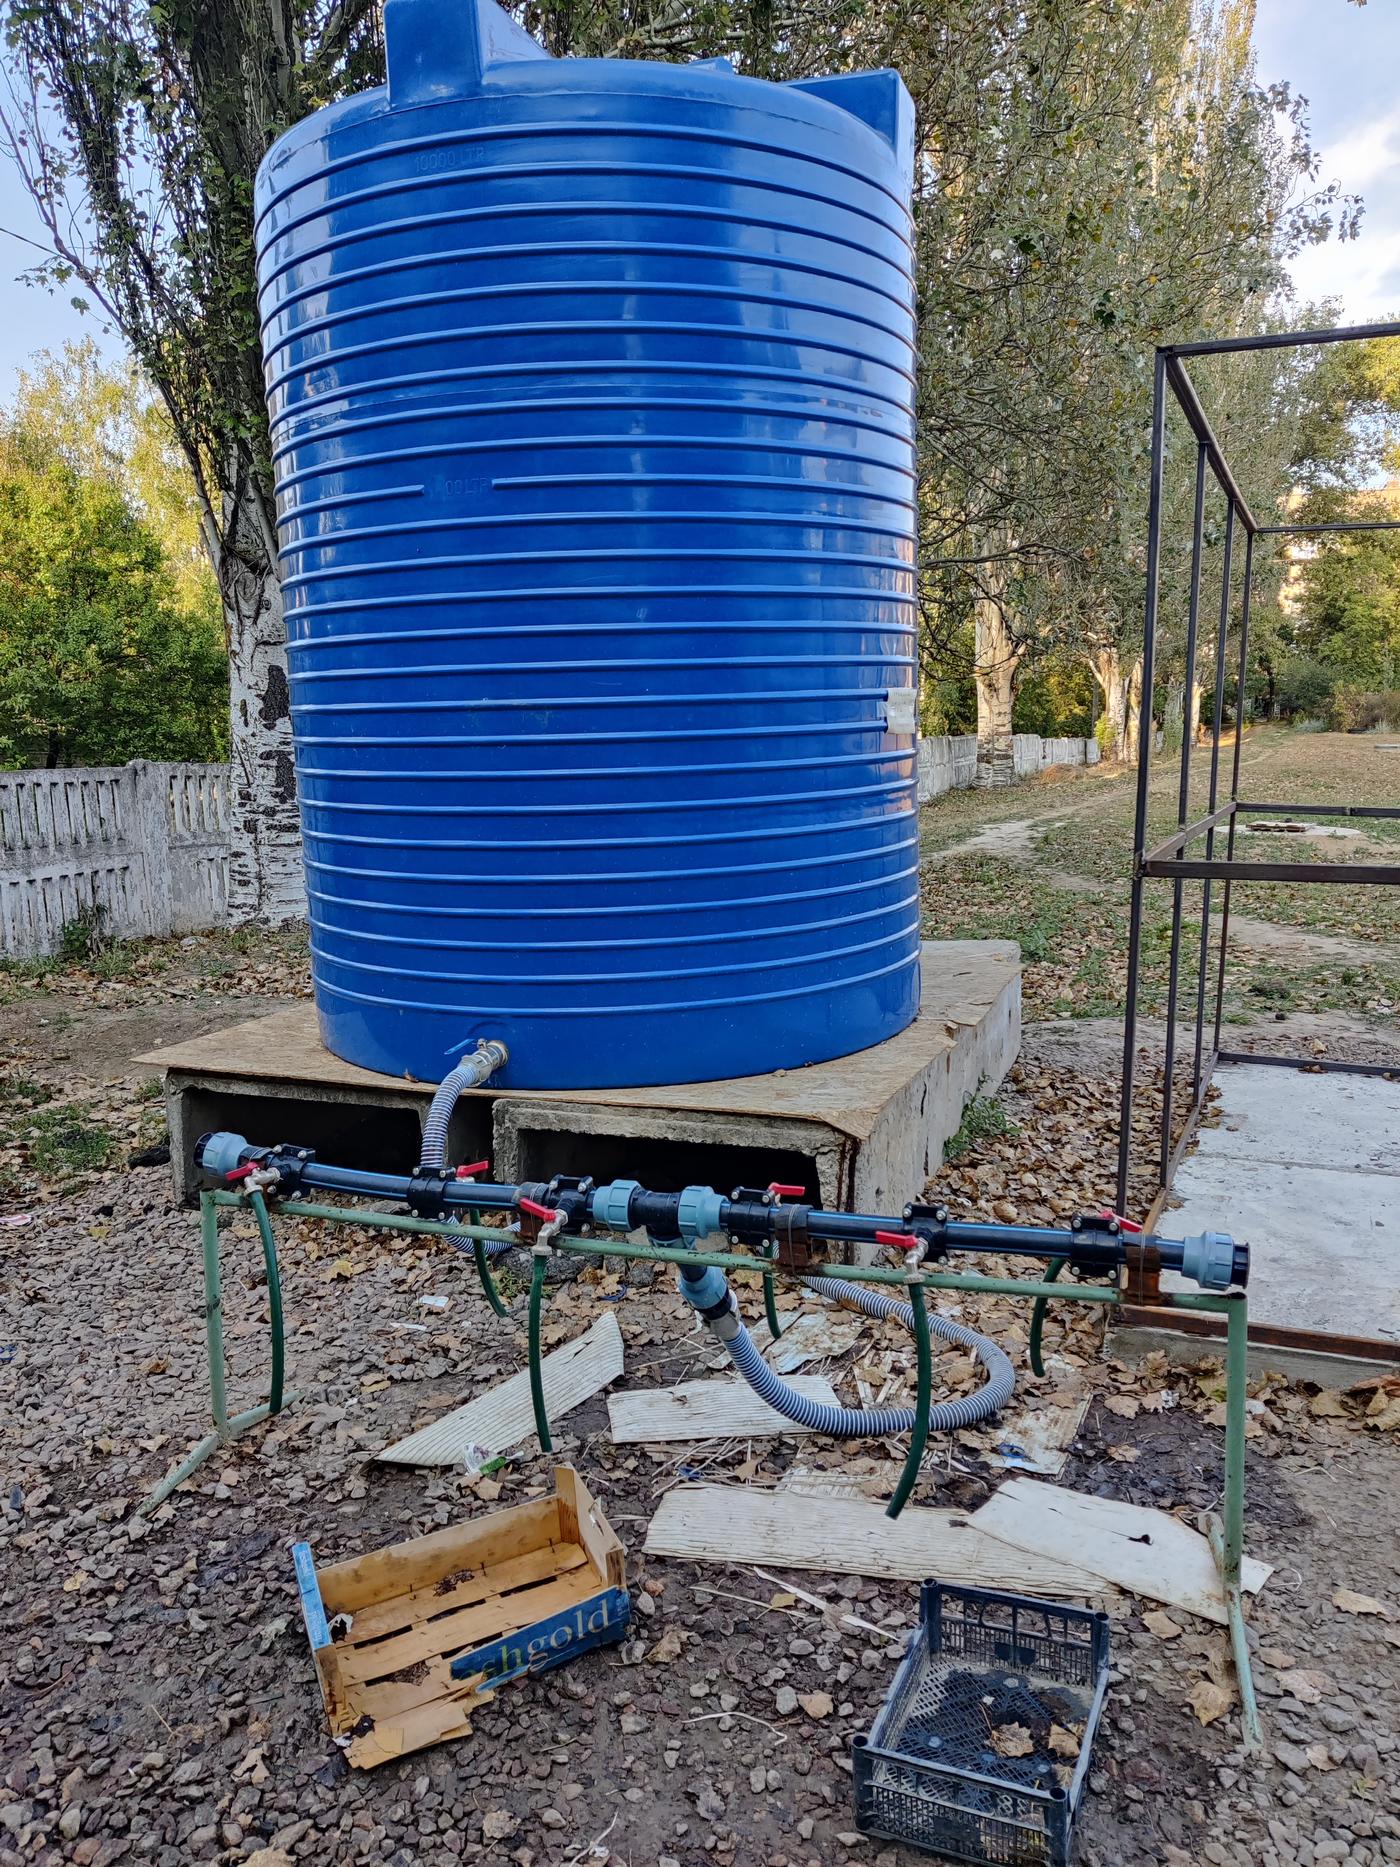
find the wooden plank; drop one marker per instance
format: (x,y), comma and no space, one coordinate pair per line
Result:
(470,1627)
(423,1604)
(1147,1551)
(383,1574)
(728,1523)
(960,979)
(499,1419)
(581,1516)
(706,1410)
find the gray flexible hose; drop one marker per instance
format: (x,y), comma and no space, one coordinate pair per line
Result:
(470,1073)
(876,1422)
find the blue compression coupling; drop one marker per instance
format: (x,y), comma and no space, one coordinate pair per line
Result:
(221,1153)
(610,1204)
(699,1212)
(1209,1260)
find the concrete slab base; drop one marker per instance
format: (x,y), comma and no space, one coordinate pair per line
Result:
(1306,1168)
(861,1133)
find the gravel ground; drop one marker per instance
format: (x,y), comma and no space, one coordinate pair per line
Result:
(157,1701)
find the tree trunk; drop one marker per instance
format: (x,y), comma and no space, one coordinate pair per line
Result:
(996,660)
(1132,715)
(1107,666)
(265,873)
(1193,725)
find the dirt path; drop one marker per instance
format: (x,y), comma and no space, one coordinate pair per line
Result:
(1018,837)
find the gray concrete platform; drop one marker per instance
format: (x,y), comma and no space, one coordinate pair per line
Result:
(860,1133)
(1305,1167)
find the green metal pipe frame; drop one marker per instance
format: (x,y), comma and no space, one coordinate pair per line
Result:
(1226,1534)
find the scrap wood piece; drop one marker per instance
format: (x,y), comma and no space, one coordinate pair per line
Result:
(1039,1441)
(849,1536)
(500,1418)
(810,1335)
(706,1410)
(1147,1551)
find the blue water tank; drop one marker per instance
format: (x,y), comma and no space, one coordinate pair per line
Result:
(591,387)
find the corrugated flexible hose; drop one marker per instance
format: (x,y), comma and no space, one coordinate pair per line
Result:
(876,1422)
(470,1073)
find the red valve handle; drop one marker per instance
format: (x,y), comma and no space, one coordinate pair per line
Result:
(239,1173)
(906,1241)
(777,1188)
(547,1213)
(1128,1225)
(473,1167)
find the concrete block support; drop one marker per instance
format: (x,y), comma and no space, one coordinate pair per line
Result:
(861,1133)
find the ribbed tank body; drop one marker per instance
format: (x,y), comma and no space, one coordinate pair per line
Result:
(591,390)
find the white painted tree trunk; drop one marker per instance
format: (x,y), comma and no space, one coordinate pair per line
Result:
(1106,664)
(265,873)
(1132,714)
(997,656)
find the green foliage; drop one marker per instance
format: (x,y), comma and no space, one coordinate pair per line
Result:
(62,1139)
(983,1119)
(1354,710)
(99,662)
(80,939)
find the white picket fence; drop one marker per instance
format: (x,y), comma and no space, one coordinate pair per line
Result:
(142,848)
(950,764)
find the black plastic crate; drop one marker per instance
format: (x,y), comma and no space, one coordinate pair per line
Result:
(929,1773)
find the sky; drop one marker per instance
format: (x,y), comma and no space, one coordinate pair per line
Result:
(1342,57)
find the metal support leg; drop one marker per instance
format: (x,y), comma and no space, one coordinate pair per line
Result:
(483,1268)
(770,1306)
(918,1439)
(1052,1271)
(226,1427)
(536,1369)
(1227,1539)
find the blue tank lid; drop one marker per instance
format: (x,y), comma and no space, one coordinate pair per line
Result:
(443,52)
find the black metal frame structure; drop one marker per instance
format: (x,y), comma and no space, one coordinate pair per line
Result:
(1169,860)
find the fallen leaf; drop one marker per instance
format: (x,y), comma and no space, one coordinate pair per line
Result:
(669,1647)
(1012,1740)
(1328,1405)
(1208,1700)
(1320,1757)
(342,1268)
(1387,1419)
(1350,1602)
(783,1599)
(78,1579)
(1124,1455)
(1306,1685)
(1062,1742)
(1161,1624)
(499,1824)
(817,1704)
(1123,1405)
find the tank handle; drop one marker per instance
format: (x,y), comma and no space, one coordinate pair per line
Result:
(877,98)
(440,49)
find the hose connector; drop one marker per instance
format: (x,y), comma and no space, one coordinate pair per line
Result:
(706,1289)
(1214,1261)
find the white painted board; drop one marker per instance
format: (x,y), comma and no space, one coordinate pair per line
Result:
(707,1410)
(500,1418)
(1147,1551)
(847,1536)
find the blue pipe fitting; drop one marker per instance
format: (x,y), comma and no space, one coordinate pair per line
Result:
(610,1204)
(704,1287)
(699,1213)
(1210,1259)
(222,1152)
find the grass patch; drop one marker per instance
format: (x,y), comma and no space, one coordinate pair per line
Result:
(983,1119)
(62,1139)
